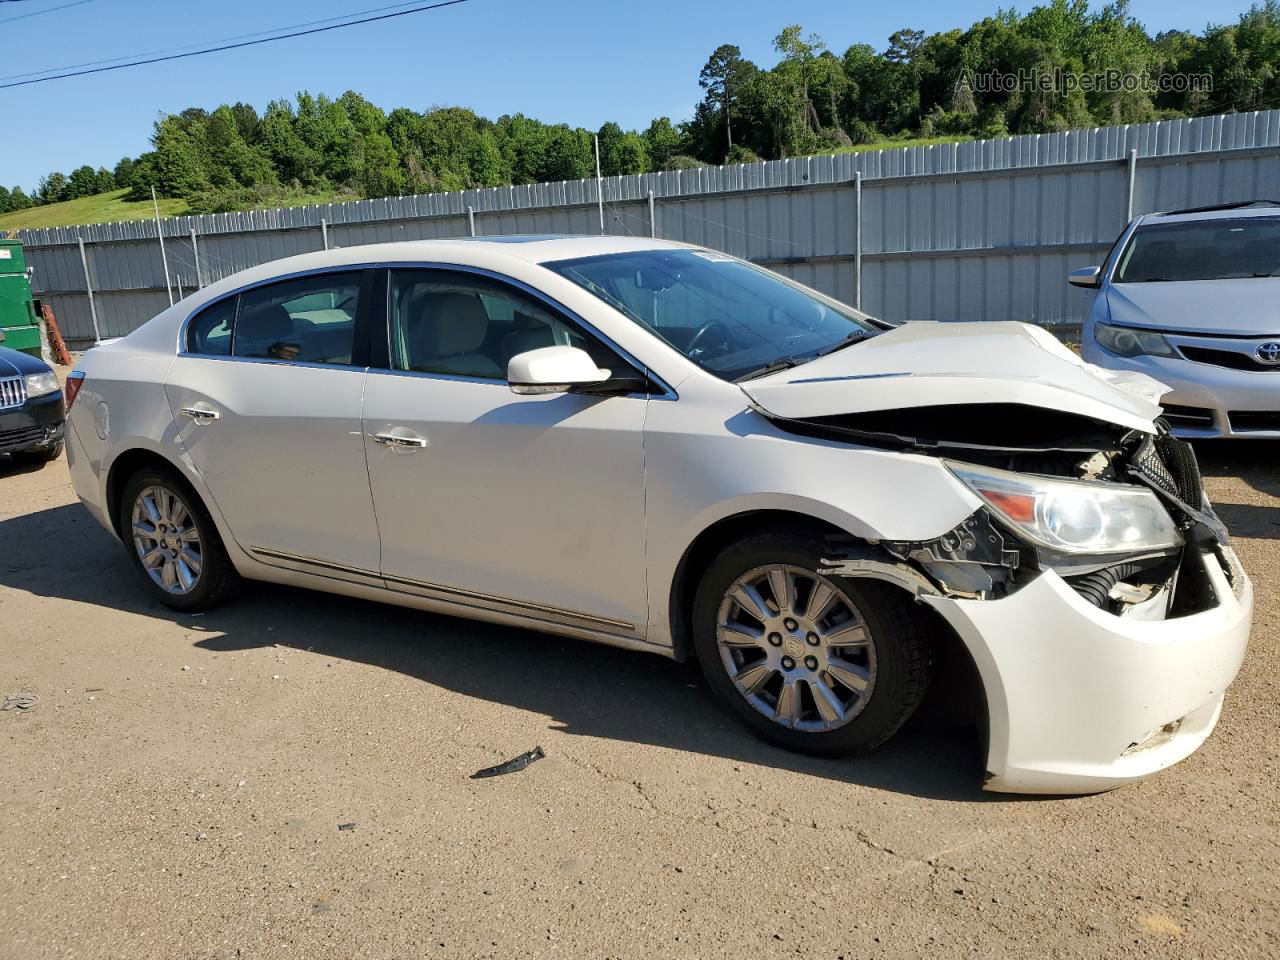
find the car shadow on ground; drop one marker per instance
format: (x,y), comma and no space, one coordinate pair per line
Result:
(587,690)
(1257,463)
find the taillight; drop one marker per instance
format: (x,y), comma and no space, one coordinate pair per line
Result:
(75,380)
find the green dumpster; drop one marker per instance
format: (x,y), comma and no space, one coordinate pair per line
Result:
(17,309)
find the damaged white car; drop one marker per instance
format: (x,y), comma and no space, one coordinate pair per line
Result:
(665,448)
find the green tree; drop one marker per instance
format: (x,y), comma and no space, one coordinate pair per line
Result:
(52,189)
(726,77)
(662,141)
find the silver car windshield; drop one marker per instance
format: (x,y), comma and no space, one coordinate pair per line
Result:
(730,317)
(1244,248)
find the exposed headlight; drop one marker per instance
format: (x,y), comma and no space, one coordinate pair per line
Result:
(1073,516)
(39,384)
(1132,343)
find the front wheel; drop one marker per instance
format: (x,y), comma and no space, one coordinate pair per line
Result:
(38,457)
(173,542)
(831,666)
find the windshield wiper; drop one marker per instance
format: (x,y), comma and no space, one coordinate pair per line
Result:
(856,337)
(782,363)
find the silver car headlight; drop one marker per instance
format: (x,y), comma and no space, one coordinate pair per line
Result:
(41,384)
(1126,342)
(1073,516)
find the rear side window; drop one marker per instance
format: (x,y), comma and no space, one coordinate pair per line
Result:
(310,319)
(209,332)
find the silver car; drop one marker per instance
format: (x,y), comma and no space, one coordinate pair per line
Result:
(1192,298)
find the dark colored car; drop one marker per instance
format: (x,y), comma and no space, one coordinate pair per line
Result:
(32,410)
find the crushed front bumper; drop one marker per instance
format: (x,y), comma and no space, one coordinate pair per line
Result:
(1080,700)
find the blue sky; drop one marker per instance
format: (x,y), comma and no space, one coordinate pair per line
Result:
(565,61)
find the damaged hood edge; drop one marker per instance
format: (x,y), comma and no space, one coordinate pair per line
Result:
(926,364)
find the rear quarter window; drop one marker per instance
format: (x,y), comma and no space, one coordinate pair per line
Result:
(209,332)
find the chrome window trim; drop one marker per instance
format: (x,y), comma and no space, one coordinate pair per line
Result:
(310,364)
(668,393)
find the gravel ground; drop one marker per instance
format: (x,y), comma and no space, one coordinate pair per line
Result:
(177,791)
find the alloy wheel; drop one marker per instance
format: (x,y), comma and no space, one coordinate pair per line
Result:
(796,648)
(167,540)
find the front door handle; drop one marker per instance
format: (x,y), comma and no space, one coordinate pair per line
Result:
(200,414)
(399,440)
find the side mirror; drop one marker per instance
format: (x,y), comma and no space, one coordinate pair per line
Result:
(553,370)
(1,336)
(1085,277)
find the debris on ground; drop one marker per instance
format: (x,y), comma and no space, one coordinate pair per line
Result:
(346,826)
(19,701)
(510,766)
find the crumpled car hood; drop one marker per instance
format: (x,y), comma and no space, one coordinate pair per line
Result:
(1240,307)
(927,364)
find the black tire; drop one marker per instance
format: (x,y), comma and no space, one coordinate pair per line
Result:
(217,578)
(37,457)
(902,653)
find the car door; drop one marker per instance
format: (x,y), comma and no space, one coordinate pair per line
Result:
(530,505)
(266,396)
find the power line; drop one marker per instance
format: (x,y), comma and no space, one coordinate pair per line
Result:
(233,46)
(192,46)
(36,13)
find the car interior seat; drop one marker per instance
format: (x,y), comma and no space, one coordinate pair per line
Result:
(445,332)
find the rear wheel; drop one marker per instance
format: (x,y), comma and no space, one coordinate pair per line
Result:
(831,666)
(173,542)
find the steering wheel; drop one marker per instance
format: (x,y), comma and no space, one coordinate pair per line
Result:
(696,348)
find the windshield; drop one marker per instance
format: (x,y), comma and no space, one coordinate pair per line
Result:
(1204,250)
(728,316)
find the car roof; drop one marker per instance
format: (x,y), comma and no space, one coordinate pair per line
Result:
(1261,208)
(484,252)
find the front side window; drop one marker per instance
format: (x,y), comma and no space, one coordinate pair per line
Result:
(730,317)
(1229,249)
(311,319)
(468,326)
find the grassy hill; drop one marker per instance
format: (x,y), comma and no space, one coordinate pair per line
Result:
(100,208)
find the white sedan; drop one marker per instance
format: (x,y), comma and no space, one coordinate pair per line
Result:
(665,448)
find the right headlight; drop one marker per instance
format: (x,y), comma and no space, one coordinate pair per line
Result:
(1073,516)
(1126,342)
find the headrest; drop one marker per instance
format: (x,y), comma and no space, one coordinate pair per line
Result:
(265,323)
(446,323)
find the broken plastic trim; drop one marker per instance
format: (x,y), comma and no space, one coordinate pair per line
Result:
(974,560)
(510,766)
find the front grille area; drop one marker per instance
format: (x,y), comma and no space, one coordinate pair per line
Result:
(1227,358)
(1243,421)
(13,392)
(17,439)
(1188,416)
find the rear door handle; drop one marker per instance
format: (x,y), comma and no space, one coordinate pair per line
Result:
(399,440)
(200,414)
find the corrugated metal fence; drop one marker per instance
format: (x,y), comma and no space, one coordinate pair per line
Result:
(979,230)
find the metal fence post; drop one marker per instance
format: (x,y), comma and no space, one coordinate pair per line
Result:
(1133,175)
(164,257)
(653,223)
(195,254)
(324,233)
(471,220)
(857,240)
(88,286)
